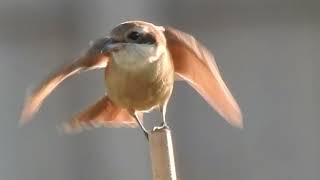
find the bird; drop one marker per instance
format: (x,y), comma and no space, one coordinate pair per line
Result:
(142,62)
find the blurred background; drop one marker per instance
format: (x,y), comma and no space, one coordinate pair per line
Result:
(267,50)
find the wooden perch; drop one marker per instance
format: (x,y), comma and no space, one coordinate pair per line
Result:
(162,155)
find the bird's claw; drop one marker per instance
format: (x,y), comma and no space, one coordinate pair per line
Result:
(163,126)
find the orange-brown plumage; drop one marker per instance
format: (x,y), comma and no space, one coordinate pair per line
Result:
(141,61)
(140,90)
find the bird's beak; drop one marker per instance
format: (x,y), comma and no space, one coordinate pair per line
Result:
(111,45)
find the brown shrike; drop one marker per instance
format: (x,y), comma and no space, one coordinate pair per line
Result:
(141,61)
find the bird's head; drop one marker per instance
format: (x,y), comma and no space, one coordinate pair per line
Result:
(136,42)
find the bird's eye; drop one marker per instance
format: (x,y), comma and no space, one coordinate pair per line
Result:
(134,35)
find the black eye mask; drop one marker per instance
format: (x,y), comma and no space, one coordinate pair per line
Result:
(141,38)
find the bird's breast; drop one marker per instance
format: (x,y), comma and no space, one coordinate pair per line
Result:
(140,88)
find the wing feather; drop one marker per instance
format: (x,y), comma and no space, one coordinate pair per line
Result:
(92,59)
(195,64)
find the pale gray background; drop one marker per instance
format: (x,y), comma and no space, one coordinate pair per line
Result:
(267,50)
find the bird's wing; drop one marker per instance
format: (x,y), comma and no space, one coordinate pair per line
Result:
(195,64)
(91,59)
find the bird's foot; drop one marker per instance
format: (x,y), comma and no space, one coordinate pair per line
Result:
(163,126)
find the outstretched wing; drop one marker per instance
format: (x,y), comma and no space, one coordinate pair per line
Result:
(92,59)
(195,64)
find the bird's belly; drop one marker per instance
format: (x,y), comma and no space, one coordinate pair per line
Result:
(139,90)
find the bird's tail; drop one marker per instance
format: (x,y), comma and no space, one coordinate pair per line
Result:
(103,113)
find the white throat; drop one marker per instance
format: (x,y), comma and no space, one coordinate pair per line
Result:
(136,56)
